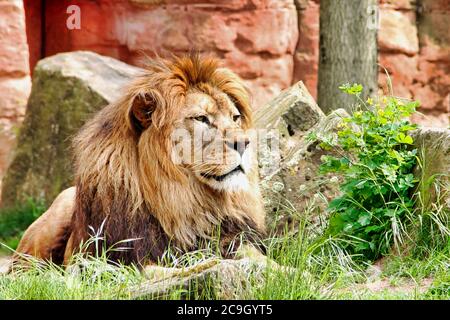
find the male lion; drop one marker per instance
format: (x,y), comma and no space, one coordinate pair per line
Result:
(129,186)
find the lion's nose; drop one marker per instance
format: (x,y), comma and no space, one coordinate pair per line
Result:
(239,146)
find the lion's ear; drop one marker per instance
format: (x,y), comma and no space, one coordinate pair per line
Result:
(141,110)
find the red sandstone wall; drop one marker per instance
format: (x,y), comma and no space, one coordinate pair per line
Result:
(269,43)
(15,82)
(256,38)
(415,49)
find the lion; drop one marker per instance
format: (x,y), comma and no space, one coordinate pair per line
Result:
(130,182)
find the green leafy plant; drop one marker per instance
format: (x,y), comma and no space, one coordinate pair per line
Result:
(377,165)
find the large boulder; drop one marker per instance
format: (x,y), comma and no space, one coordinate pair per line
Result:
(295,107)
(291,184)
(434,169)
(67,88)
(296,189)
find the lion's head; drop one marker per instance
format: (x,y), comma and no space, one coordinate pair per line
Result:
(175,149)
(205,112)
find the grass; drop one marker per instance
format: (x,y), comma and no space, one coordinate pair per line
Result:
(322,271)
(320,276)
(13,222)
(417,268)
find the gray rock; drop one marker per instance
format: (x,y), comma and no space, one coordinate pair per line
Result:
(285,120)
(294,110)
(296,188)
(67,89)
(434,171)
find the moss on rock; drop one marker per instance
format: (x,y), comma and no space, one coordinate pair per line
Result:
(67,89)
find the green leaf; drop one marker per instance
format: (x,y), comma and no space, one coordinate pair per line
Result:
(402,138)
(354,89)
(364,219)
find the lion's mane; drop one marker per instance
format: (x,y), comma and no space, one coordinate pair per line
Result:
(125,177)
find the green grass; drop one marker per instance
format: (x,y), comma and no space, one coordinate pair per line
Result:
(13,222)
(420,269)
(322,271)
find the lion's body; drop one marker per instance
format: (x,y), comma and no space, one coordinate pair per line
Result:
(127,182)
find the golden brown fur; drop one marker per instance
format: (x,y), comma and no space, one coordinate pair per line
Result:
(126,177)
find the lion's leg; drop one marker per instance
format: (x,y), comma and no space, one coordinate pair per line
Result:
(68,251)
(47,237)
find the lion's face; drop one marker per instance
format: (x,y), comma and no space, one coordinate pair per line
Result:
(211,142)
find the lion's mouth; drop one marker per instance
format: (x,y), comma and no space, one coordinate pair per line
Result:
(224,176)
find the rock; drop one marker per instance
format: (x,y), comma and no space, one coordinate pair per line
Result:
(296,188)
(306,57)
(270,56)
(14,49)
(228,278)
(397,33)
(396,64)
(437,120)
(433,21)
(289,166)
(264,77)
(261,53)
(434,152)
(430,99)
(5,265)
(34,30)
(434,63)
(14,94)
(294,106)
(398,4)
(67,89)
(284,119)
(15,82)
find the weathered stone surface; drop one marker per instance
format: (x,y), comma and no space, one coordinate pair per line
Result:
(34,34)
(67,89)
(294,106)
(398,4)
(5,265)
(296,188)
(306,57)
(228,278)
(293,187)
(286,118)
(397,33)
(14,49)
(396,64)
(433,82)
(434,151)
(15,82)
(261,53)
(430,120)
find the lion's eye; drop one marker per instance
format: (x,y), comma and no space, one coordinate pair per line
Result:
(236,118)
(203,119)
